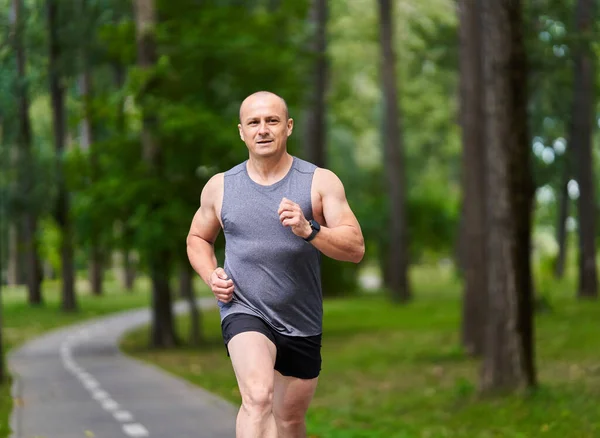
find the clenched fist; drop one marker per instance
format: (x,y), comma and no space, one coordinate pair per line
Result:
(221,286)
(291,215)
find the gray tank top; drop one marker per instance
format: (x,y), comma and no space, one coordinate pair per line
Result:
(276,274)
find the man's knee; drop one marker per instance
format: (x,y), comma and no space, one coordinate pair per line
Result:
(257,398)
(289,417)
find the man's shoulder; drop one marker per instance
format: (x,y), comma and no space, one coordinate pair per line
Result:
(326,180)
(304,166)
(235,170)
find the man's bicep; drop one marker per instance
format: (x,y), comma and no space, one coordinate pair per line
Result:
(336,210)
(205,224)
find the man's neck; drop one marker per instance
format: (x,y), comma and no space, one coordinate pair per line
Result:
(269,170)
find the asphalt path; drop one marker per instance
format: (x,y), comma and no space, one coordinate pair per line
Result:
(75,383)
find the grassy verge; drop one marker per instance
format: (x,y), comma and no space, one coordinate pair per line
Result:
(22,322)
(397,372)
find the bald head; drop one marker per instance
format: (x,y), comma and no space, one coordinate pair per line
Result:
(264,98)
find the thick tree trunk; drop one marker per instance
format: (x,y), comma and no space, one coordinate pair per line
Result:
(62,216)
(394,160)
(316,123)
(508,353)
(33,275)
(473,179)
(163,330)
(581,137)
(186,289)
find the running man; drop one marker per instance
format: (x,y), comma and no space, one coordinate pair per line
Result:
(278,214)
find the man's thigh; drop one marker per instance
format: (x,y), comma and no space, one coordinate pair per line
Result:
(252,351)
(292,396)
(253,357)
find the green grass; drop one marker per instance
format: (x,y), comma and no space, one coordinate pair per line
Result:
(22,322)
(398,371)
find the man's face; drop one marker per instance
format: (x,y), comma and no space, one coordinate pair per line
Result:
(264,125)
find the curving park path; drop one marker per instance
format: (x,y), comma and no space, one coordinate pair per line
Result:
(75,383)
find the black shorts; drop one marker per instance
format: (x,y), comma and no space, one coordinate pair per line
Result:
(296,356)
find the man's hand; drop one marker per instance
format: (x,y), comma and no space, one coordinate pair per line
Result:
(221,286)
(291,215)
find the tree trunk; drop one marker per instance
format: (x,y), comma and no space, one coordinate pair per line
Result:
(186,288)
(561,226)
(394,160)
(473,178)
(32,272)
(508,351)
(581,137)
(128,264)
(62,216)
(96,271)
(129,268)
(316,123)
(163,330)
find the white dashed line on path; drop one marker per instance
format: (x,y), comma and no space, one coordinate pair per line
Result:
(123,416)
(135,430)
(92,385)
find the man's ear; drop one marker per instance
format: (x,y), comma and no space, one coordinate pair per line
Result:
(290,126)
(241,132)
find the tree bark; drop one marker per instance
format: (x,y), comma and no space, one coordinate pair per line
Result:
(473,178)
(62,214)
(394,160)
(316,123)
(163,330)
(162,333)
(581,137)
(508,362)
(186,288)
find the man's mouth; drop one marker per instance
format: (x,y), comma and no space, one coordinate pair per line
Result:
(264,141)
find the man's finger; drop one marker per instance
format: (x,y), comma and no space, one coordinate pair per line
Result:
(221,273)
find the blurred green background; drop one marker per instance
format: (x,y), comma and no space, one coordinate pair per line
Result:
(114,114)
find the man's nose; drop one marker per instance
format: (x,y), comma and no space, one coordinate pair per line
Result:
(263,128)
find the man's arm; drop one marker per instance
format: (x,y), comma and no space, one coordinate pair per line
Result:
(200,241)
(341,238)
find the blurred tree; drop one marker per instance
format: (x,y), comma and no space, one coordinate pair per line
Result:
(508,359)
(29,220)
(473,253)
(186,290)
(158,257)
(394,162)
(89,138)
(314,136)
(582,123)
(62,207)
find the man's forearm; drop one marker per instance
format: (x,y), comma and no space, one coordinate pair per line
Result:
(201,255)
(344,243)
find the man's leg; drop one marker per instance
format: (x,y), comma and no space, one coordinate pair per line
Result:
(253,357)
(291,400)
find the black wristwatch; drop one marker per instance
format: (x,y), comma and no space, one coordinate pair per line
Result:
(315,229)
